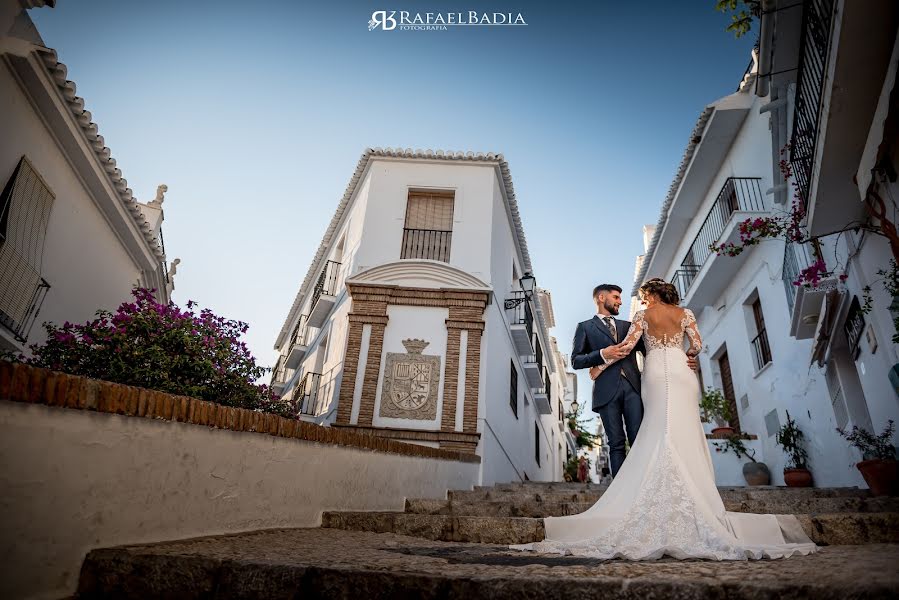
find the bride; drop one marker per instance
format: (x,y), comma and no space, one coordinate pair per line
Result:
(664,501)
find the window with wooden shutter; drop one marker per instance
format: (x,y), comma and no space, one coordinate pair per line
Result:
(428,229)
(761,350)
(727,383)
(25,206)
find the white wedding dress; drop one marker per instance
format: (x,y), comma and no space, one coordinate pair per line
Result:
(663,501)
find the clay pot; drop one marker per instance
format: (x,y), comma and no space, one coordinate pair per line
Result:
(881,475)
(798,477)
(722,433)
(756,473)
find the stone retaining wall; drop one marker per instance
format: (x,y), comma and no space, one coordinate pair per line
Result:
(129,465)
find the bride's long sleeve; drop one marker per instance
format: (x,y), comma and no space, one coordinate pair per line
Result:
(630,340)
(692,332)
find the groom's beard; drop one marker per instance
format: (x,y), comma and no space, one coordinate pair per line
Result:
(613,310)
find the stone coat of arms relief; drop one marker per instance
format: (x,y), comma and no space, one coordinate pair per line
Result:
(410,383)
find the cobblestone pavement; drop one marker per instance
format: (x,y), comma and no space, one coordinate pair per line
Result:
(325,563)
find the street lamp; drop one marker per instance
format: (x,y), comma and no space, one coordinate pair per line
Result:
(574,406)
(527,283)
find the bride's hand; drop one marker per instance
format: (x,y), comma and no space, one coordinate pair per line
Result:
(594,372)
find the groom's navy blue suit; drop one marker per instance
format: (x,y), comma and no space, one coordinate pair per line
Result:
(616,392)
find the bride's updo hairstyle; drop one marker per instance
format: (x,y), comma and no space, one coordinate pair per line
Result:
(666,292)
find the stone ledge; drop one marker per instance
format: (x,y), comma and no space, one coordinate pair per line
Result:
(332,563)
(32,385)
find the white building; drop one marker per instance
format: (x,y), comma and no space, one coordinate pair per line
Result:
(769,345)
(73,238)
(411,323)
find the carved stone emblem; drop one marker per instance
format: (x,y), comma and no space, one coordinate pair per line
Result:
(410,383)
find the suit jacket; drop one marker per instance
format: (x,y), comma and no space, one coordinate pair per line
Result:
(592,336)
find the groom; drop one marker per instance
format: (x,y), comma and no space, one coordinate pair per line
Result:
(616,392)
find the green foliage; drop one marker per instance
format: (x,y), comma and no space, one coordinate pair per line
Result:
(161,347)
(714,406)
(744,12)
(872,446)
(792,440)
(582,437)
(734,443)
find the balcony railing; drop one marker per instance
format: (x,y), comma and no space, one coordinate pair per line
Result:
(307,398)
(522,314)
(813,49)
(327,282)
(761,351)
(300,334)
(683,278)
(279,372)
(432,244)
(796,258)
(737,194)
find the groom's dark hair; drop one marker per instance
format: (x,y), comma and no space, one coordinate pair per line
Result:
(606,287)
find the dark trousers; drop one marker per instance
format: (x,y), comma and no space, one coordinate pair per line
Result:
(625,410)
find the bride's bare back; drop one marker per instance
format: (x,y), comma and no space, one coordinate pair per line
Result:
(666,324)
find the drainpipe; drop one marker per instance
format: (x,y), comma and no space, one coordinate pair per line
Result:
(766,47)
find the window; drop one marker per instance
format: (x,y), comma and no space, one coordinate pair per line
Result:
(25,206)
(727,383)
(513,390)
(836,395)
(761,351)
(428,230)
(537,443)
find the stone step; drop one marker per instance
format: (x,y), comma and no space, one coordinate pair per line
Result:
(538,509)
(496,508)
(448,528)
(839,528)
(329,563)
(781,500)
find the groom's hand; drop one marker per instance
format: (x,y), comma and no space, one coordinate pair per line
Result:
(612,353)
(693,363)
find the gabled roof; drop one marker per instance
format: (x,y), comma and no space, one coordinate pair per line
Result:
(75,105)
(372,154)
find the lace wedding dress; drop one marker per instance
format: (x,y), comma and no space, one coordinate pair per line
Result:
(664,501)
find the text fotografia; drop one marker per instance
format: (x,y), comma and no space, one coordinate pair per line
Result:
(403,20)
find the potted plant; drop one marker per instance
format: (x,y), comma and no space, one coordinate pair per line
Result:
(792,440)
(715,408)
(879,466)
(755,472)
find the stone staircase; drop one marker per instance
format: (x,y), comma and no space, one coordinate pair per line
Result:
(457,549)
(513,513)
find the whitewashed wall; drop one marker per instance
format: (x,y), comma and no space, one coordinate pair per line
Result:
(84,261)
(177,481)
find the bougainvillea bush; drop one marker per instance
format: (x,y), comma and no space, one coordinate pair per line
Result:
(161,347)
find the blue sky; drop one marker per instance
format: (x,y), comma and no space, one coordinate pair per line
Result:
(256,117)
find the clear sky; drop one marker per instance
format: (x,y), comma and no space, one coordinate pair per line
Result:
(255,115)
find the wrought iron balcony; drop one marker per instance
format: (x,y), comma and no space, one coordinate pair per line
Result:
(279,375)
(307,397)
(521,321)
(813,50)
(543,393)
(683,278)
(296,349)
(737,194)
(761,351)
(324,294)
(433,244)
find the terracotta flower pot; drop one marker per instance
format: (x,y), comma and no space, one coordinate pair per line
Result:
(881,475)
(756,473)
(722,433)
(798,477)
